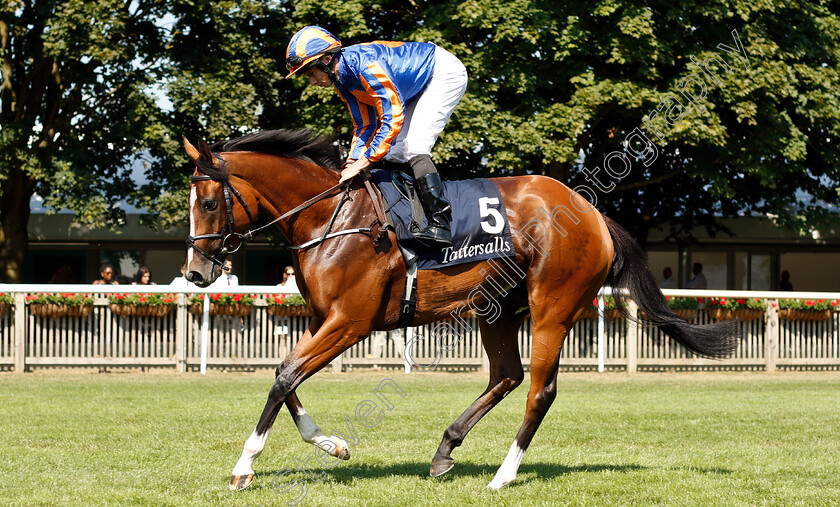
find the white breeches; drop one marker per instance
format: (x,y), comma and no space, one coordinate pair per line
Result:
(426,116)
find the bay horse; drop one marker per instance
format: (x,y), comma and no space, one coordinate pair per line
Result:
(565,251)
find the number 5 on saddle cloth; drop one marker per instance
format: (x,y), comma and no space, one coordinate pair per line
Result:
(480,228)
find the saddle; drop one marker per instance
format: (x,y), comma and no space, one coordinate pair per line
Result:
(480,229)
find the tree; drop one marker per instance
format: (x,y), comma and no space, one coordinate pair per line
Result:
(81,82)
(72,108)
(555,87)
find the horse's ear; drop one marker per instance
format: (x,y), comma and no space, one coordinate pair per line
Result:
(191,151)
(205,152)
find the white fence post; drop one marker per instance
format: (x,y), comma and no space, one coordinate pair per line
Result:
(772,333)
(601,332)
(181,332)
(20,332)
(205,332)
(632,337)
(409,340)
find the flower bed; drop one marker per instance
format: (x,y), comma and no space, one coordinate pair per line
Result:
(806,309)
(684,308)
(736,308)
(287,305)
(236,305)
(6,302)
(141,305)
(611,310)
(60,305)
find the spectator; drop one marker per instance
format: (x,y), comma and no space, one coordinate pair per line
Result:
(143,277)
(106,273)
(180,282)
(668,282)
(64,274)
(289,284)
(784,283)
(228,279)
(699,280)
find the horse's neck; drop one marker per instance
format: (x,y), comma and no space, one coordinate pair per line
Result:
(284,183)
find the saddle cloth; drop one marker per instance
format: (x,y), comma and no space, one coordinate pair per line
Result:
(480,228)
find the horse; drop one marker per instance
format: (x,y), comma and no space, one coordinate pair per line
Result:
(565,251)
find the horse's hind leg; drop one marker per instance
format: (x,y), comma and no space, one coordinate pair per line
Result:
(549,333)
(311,433)
(500,342)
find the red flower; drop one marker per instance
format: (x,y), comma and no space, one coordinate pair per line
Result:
(819,301)
(167,300)
(742,301)
(714,302)
(237,297)
(701,300)
(120,296)
(834,303)
(595,302)
(773,305)
(215,297)
(809,303)
(142,299)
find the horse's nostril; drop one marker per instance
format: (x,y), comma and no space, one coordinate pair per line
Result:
(195,277)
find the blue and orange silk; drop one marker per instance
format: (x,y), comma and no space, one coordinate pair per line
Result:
(379,79)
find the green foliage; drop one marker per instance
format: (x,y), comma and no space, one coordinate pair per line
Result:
(812,305)
(738,303)
(285,300)
(609,303)
(142,299)
(67,299)
(7,298)
(554,87)
(224,299)
(678,303)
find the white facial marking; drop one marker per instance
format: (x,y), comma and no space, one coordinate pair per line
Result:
(193,199)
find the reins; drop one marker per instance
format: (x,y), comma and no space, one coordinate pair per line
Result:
(229,231)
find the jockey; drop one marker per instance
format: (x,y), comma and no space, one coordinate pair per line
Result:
(411,87)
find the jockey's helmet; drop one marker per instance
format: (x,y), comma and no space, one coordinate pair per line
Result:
(307,46)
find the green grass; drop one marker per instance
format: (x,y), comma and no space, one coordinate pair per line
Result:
(675,439)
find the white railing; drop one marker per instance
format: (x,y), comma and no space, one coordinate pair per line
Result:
(185,340)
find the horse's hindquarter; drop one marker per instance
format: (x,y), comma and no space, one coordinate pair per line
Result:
(554,241)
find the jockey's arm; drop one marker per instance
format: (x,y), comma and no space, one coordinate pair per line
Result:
(389,105)
(354,168)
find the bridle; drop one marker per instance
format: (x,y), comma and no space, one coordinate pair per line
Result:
(228,232)
(229,229)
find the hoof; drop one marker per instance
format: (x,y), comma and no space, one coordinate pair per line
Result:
(440,467)
(336,447)
(498,483)
(240,482)
(342,451)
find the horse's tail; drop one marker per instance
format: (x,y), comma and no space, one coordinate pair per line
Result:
(630,271)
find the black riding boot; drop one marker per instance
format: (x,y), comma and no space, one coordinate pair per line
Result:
(435,205)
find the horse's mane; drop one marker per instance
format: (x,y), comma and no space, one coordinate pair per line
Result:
(301,144)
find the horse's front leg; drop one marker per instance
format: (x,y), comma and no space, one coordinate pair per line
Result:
(313,352)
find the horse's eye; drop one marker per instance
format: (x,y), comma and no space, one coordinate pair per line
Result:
(209,204)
